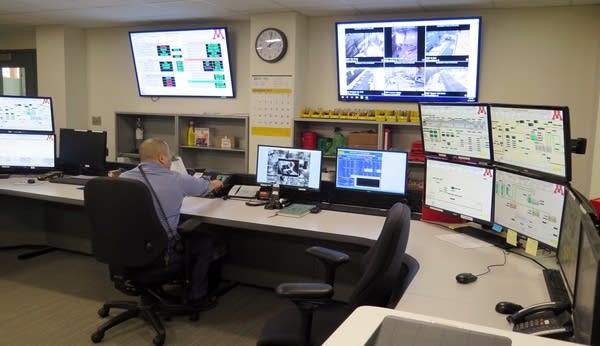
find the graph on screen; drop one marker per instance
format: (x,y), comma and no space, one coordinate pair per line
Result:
(529,206)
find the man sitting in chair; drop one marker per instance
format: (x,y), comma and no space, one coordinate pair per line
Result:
(170,188)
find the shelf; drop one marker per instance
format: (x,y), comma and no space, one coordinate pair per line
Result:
(351,121)
(129,155)
(190,147)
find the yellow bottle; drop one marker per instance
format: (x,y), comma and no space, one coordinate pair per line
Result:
(191,136)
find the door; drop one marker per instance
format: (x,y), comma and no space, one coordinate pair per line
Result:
(19,72)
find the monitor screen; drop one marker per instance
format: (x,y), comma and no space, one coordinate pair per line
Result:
(456,130)
(24,151)
(461,189)
(82,151)
(529,206)
(290,167)
(568,243)
(26,113)
(371,170)
(586,313)
(532,138)
(408,60)
(187,62)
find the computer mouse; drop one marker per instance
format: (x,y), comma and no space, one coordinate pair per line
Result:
(465,278)
(315,209)
(507,308)
(30,181)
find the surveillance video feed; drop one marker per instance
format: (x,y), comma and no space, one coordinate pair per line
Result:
(288,167)
(413,60)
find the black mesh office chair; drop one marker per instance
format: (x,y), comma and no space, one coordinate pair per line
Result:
(386,272)
(128,236)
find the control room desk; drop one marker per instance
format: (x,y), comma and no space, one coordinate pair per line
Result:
(53,214)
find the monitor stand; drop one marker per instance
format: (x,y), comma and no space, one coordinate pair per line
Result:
(484,235)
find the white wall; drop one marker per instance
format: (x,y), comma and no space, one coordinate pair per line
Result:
(112,86)
(530,56)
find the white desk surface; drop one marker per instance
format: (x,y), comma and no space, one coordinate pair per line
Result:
(41,190)
(433,292)
(363,322)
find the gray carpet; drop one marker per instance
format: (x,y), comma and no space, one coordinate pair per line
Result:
(53,300)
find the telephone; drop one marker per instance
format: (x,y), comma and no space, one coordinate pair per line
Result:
(551,319)
(225,178)
(243,191)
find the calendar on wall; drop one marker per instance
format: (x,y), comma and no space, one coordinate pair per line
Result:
(272,104)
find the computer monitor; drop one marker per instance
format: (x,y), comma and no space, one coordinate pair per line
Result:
(529,206)
(532,139)
(24,152)
(460,189)
(371,170)
(26,113)
(586,308)
(290,167)
(568,242)
(82,151)
(456,130)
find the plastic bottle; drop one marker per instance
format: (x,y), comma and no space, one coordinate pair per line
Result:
(139,133)
(191,136)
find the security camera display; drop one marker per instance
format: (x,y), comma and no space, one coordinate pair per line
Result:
(409,60)
(300,168)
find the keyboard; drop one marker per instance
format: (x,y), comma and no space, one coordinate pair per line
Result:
(70,180)
(555,285)
(347,208)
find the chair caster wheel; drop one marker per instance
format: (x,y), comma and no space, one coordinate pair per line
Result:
(97,337)
(158,340)
(103,312)
(194,316)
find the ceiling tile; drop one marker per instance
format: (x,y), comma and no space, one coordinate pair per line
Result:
(529,3)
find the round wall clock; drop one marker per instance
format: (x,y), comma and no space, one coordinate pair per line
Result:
(271,45)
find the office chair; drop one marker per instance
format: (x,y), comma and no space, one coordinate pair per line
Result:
(128,236)
(386,272)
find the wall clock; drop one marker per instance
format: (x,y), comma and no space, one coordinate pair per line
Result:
(271,45)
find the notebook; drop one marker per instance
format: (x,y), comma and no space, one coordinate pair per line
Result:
(296,210)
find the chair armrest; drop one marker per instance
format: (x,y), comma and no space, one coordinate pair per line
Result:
(328,255)
(304,291)
(188,226)
(331,259)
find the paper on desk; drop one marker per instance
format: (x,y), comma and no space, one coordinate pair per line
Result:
(464,241)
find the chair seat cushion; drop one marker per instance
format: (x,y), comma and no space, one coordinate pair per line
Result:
(283,329)
(154,275)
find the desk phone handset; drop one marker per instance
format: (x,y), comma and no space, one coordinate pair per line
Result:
(551,319)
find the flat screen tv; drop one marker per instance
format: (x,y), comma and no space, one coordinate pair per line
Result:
(26,113)
(409,60)
(460,189)
(27,152)
(458,131)
(186,62)
(82,151)
(370,170)
(294,168)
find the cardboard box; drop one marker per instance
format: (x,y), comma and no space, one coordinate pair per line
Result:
(367,140)
(225,142)
(202,136)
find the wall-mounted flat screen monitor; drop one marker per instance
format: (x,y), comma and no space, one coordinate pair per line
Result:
(186,62)
(586,308)
(371,170)
(568,243)
(26,113)
(529,206)
(82,151)
(408,60)
(532,139)
(27,152)
(456,130)
(460,189)
(290,167)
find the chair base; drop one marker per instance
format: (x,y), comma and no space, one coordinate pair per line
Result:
(148,309)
